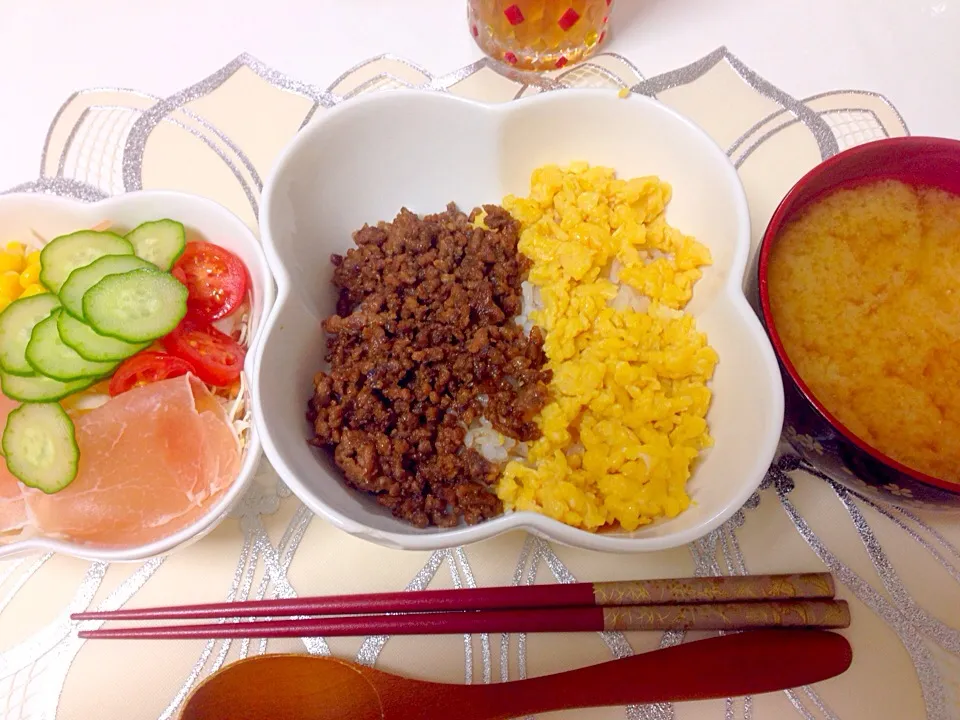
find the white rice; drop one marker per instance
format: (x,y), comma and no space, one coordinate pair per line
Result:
(494,446)
(481,435)
(531,302)
(626,296)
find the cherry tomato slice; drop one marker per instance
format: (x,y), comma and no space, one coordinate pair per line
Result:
(217,357)
(147,367)
(216,280)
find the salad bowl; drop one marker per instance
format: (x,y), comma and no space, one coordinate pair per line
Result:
(35,218)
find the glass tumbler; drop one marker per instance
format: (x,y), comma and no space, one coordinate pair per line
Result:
(539,34)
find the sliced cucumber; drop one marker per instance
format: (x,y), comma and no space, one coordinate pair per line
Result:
(64,254)
(48,355)
(136,306)
(90,344)
(84,278)
(16,325)
(40,446)
(39,388)
(160,242)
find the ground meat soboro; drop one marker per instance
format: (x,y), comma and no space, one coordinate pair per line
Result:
(423,344)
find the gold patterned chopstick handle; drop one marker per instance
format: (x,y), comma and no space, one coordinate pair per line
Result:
(715,589)
(831,614)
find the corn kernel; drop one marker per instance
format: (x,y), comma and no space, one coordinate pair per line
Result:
(30,276)
(35,289)
(15,248)
(33,257)
(10,261)
(10,285)
(4,302)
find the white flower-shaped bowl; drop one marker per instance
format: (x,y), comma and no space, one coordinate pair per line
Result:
(361,162)
(49,216)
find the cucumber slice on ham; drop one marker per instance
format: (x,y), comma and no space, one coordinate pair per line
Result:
(160,242)
(136,306)
(48,355)
(16,326)
(40,446)
(84,278)
(64,254)
(90,344)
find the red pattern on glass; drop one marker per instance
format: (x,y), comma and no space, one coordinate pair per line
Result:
(561,62)
(533,39)
(514,15)
(568,19)
(602,36)
(510,58)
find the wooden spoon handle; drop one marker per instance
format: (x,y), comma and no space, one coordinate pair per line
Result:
(732,665)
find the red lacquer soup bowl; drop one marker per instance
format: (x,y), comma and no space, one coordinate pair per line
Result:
(815,434)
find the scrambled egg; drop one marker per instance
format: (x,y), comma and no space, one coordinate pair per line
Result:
(629,395)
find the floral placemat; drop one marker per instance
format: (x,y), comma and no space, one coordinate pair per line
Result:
(898,564)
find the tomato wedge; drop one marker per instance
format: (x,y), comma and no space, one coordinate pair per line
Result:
(217,357)
(147,367)
(216,280)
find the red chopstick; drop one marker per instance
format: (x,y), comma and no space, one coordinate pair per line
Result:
(590,595)
(712,616)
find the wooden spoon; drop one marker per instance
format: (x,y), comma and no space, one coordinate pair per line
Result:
(305,687)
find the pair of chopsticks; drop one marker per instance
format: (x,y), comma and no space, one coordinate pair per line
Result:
(711,603)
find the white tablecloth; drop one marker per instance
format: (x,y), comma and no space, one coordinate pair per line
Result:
(906,49)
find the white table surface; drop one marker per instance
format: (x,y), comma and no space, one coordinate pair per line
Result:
(907,49)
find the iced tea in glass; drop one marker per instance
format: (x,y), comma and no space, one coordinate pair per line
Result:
(539,34)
